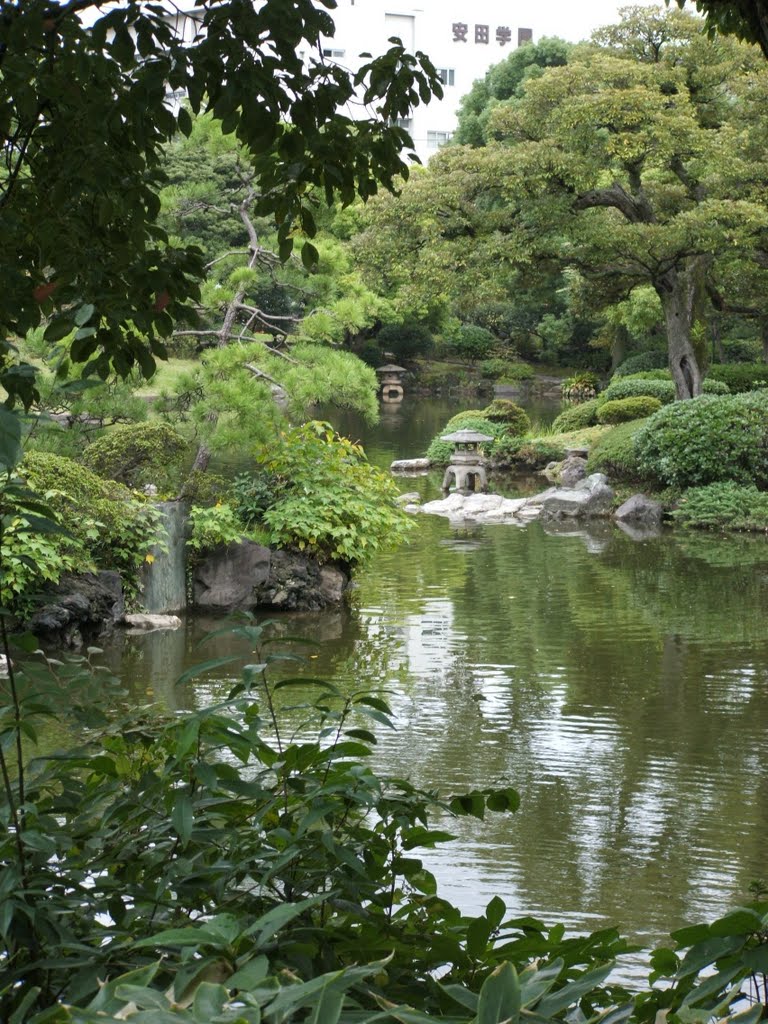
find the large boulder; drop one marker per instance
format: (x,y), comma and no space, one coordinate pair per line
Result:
(244,576)
(231,576)
(639,510)
(590,497)
(79,609)
(299,582)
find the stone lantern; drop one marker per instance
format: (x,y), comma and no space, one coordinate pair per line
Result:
(467,466)
(391,382)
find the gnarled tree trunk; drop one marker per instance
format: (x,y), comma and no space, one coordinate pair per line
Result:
(678,291)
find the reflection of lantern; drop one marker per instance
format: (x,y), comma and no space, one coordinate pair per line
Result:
(467,466)
(391,382)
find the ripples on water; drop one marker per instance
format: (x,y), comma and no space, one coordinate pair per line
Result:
(619,686)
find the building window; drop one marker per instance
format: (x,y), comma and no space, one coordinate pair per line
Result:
(446,76)
(406,123)
(335,54)
(437,139)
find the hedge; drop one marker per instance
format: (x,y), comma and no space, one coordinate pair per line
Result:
(575,417)
(664,390)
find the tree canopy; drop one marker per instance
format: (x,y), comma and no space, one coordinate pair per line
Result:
(84,117)
(639,163)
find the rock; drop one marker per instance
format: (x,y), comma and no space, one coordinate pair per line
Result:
(478,508)
(640,509)
(410,465)
(298,582)
(639,532)
(590,497)
(145,621)
(80,608)
(573,470)
(411,498)
(231,576)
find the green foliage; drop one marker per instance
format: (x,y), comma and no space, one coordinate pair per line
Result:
(440,452)
(706,440)
(30,559)
(622,409)
(741,350)
(212,526)
(581,386)
(109,526)
(139,454)
(81,185)
(517,372)
(204,488)
(654,359)
(527,453)
(514,419)
(615,453)
(663,390)
(582,414)
(331,502)
(472,343)
(405,341)
(740,377)
(253,494)
(724,506)
(494,369)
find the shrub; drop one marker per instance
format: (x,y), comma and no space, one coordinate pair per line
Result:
(332,501)
(472,343)
(742,350)
(706,440)
(649,375)
(204,488)
(405,341)
(656,359)
(112,527)
(584,414)
(527,453)
(514,419)
(614,453)
(253,494)
(581,386)
(622,409)
(724,506)
(740,377)
(515,372)
(664,390)
(371,353)
(136,454)
(492,369)
(440,452)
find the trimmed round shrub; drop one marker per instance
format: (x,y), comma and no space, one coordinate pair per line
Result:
(706,440)
(615,453)
(664,390)
(656,359)
(724,506)
(492,369)
(740,377)
(440,452)
(623,409)
(576,417)
(649,375)
(136,454)
(514,419)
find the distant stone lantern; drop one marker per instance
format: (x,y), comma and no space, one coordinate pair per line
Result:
(391,382)
(467,466)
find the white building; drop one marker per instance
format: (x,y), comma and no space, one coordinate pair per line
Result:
(463,38)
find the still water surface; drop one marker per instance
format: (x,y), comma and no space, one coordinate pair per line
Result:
(620,686)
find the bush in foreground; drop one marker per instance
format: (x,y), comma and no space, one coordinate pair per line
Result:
(724,506)
(614,454)
(584,414)
(622,410)
(706,440)
(204,867)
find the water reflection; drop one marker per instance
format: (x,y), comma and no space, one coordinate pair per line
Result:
(619,685)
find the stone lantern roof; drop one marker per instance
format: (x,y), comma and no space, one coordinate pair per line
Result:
(466,436)
(391,368)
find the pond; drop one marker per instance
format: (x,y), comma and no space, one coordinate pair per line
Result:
(620,686)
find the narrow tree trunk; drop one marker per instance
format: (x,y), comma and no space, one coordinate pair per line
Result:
(764,337)
(677,291)
(619,346)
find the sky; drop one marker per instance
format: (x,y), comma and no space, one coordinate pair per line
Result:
(575,19)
